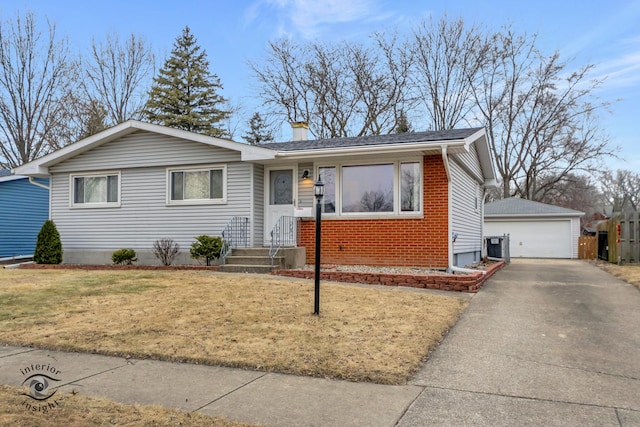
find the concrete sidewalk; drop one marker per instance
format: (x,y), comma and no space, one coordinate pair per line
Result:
(249,396)
(553,343)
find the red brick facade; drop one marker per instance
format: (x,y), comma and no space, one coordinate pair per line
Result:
(394,241)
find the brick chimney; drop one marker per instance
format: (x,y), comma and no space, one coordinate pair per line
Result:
(300,131)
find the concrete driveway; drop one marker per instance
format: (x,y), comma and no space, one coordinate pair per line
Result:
(546,342)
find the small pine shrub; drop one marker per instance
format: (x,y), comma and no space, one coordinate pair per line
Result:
(166,250)
(207,248)
(48,245)
(124,256)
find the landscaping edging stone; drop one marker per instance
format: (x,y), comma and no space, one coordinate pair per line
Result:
(470,283)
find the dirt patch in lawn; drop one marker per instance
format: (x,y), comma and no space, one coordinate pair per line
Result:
(66,410)
(248,321)
(628,273)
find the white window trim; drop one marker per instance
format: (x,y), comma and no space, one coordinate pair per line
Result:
(74,205)
(397,213)
(200,168)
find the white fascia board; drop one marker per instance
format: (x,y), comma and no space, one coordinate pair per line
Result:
(487,162)
(40,167)
(497,217)
(8,178)
(432,147)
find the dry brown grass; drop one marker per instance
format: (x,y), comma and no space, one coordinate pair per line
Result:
(628,273)
(81,411)
(254,322)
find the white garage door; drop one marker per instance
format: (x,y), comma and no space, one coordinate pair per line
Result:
(535,239)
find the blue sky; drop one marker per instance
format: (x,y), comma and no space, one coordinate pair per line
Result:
(605,33)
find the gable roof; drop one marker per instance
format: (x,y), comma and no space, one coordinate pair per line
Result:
(40,167)
(454,141)
(517,207)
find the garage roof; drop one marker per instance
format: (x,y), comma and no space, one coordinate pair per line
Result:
(517,207)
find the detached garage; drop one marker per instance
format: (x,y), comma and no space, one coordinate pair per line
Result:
(536,230)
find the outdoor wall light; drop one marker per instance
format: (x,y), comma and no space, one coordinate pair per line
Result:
(305,174)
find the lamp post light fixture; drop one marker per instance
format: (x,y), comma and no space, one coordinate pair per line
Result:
(318,191)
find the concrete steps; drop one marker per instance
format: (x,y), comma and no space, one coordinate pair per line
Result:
(251,260)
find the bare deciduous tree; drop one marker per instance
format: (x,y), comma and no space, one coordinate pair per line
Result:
(35,72)
(621,185)
(341,90)
(115,74)
(447,55)
(540,118)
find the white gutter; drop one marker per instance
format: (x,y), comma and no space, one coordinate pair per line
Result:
(373,149)
(445,161)
(484,198)
(37,184)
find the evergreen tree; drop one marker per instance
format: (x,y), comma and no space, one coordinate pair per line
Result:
(48,245)
(184,94)
(403,125)
(259,132)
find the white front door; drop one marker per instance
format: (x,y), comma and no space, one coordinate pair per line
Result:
(281,195)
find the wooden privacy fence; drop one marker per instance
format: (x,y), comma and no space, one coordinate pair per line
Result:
(587,247)
(619,238)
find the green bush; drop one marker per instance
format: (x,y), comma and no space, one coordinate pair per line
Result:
(48,245)
(207,248)
(124,256)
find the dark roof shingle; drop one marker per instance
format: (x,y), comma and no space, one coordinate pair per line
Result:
(517,206)
(360,141)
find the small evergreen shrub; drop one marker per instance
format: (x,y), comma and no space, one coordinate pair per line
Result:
(166,250)
(207,248)
(124,256)
(48,245)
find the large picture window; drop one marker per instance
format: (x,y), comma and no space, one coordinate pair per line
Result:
(367,188)
(202,185)
(385,188)
(96,190)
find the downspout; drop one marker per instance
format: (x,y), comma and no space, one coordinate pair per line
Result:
(482,244)
(46,187)
(451,268)
(37,184)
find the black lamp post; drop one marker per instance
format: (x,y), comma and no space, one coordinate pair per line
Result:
(318,190)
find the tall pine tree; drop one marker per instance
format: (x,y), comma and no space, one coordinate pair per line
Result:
(259,132)
(184,94)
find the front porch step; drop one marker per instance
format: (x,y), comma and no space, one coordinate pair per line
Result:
(253,260)
(250,252)
(241,268)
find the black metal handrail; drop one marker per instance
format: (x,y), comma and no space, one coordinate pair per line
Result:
(284,233)
(234,235)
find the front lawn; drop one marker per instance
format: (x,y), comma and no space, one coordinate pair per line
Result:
(254,322)
(81,411)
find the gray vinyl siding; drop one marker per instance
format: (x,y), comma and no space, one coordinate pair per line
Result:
(305,187)
(466,214)
(142,159)
(145,149)
(143,215)
(471,162)
(258,205)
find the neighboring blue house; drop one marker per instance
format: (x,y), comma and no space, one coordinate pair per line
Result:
(24,207)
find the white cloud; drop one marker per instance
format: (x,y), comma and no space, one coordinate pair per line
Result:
(313,18)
